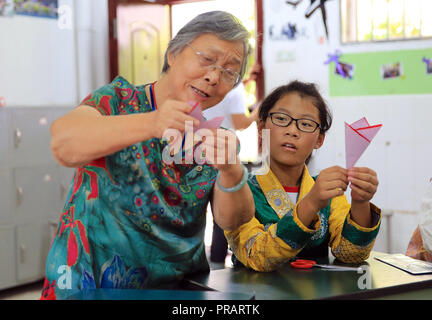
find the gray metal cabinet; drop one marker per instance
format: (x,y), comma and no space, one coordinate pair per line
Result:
(5,137)
(31,136)
(65,176)
(7,197)
(38,192)
(7,257)
(32,244)
(33,189)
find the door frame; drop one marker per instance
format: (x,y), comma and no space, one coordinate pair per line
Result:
(113,41)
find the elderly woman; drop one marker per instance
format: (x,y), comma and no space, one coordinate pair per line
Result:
(132,220)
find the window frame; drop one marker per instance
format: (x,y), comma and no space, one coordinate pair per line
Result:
(350,42)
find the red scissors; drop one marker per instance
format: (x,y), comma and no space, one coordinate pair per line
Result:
(303,264)
(308,264)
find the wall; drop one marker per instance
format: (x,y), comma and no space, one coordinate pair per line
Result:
(49,62)
(400,153)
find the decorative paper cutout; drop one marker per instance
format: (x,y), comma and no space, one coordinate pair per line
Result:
(358,136)
(428,65)
(343,69)
(313,6)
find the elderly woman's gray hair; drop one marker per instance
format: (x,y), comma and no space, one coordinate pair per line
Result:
(220,23)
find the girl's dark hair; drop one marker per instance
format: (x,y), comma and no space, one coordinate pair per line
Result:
(304,90)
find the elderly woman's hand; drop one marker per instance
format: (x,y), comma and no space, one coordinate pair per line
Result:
(172,114)
(219,147)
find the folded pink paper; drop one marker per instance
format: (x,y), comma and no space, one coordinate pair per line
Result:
(208,124)
(358,136)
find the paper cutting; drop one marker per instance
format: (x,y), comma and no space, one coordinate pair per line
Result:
(428,65)
(313,6)
(345,70)
(208,124)
(358,136)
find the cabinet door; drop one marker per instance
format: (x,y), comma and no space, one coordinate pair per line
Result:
(5,137)
(7,196)
(38,193)
(7,257)
(57,112)
(66,176)
(31,136)
(32,245)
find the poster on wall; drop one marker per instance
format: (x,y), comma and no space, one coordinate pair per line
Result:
(346,70)
(286,31)
(313,6)
(298,20)
(37,8)
(391,70)
(428,63)
(384,73)
(342,69)
(6,8)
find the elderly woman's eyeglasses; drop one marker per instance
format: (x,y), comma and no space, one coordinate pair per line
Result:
(228,76)
(283,120)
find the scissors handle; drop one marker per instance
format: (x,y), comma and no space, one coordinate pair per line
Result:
(302,264)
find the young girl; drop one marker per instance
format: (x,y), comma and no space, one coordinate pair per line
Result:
(298,215)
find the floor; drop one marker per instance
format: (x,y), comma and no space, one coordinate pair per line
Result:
(30,291)
(33,290)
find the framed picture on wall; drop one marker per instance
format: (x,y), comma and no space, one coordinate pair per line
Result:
(345,70)
(37,8)
(392,70)
(429,66)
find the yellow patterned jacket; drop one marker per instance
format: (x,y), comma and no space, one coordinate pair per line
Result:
(275,235)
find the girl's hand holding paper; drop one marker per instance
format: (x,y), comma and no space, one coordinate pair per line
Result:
(363,181)
(363,184)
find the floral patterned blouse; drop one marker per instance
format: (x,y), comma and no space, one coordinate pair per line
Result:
(130,220)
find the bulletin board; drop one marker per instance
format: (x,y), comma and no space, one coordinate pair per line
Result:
(367,74)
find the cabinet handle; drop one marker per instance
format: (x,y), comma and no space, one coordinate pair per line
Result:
(17,137)
(20,195)
(23,253)
(63,191)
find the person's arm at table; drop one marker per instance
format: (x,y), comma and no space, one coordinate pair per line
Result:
(84,134)
(266,249)
(349,241)
(232,209)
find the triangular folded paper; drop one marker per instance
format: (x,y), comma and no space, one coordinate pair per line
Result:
(358,135)
(208,124)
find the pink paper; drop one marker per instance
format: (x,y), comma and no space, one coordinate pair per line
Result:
(358,136)
(208,124)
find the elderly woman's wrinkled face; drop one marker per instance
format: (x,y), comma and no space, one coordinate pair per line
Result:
(192,74)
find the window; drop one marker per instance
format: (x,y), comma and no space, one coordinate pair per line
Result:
(385,20)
